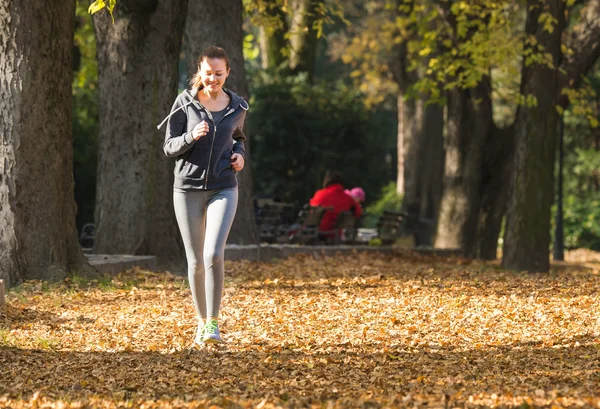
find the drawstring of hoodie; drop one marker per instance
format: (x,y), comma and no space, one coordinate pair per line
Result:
(171,114)
(245,108)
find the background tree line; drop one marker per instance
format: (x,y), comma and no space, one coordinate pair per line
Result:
(459,102)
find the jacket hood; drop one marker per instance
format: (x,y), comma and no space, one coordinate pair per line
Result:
(236,100)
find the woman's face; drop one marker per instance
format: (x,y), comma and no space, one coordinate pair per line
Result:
(213,72)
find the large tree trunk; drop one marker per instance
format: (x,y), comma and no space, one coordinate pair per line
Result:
(204,28)
(527,238)
(38,237)
(469,124)
(304,38)
(138,59)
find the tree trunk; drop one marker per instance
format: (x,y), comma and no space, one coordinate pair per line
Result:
(527,238)
(420,144)
(273,43)
(137,78)
(420,164)
(38,237)
(204,28)
(410,118)
(469,124)
(430,174)
(304,38)
(495,188)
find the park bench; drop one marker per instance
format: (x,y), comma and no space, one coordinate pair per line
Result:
(391,226)
(86,238)
(306,230)
(394,225)
(274,219)
(345,228)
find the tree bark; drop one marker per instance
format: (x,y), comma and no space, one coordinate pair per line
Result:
(469,124)
(410,117)
(137,78)
(420,163)
(304,38)
(431,174)
(420,144)
(205,27)
(496,173)
(38,237)
(273,43)
(527,238)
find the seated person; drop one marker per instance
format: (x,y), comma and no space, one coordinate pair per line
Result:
(333,195)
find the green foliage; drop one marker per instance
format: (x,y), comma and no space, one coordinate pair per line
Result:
(268,14)
(582,99)
(250,47)
(389,200)
(581,220)
(450,46)
(299,131)
(581,201)
(581,216)
(375,242)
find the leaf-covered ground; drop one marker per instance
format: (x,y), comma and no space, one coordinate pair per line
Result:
(351,331)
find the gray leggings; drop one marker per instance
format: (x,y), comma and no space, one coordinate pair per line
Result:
(204,218)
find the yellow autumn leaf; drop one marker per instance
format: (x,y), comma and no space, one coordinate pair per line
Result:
(96,6)
(425,51)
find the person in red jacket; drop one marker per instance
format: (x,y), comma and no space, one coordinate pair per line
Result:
(333,195)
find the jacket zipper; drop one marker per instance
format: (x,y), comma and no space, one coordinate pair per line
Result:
(213,140)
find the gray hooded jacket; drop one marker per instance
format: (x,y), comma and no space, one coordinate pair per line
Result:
(205,163)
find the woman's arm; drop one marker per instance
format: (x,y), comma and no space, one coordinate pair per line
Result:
(177,141)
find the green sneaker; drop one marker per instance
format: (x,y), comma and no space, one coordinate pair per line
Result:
(211,333)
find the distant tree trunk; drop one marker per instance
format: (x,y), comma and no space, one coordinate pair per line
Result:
(38,237)
(420,145)
(204,28)
(138,59)
(495,183)
(470,122)
(420,161)
(527,238)
(430,174)
(409,115)
(304,38)
(273,43)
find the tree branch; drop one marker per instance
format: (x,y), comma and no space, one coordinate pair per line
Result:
(584,40)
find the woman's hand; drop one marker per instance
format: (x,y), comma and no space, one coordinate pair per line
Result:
(200,130)
(237,162)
